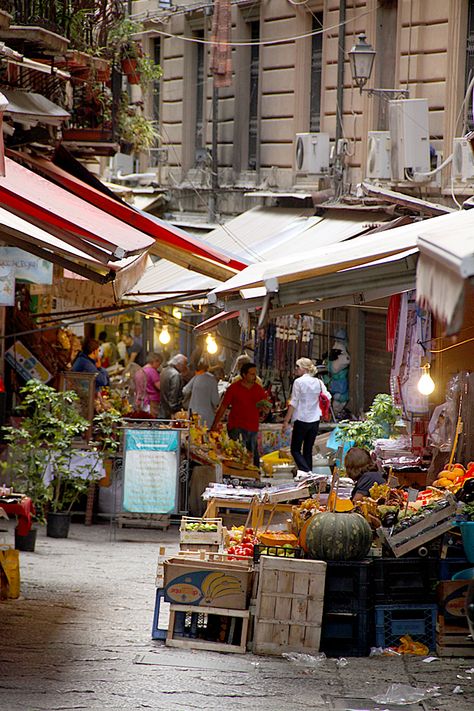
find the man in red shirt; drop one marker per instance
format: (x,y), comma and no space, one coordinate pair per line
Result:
(242,397)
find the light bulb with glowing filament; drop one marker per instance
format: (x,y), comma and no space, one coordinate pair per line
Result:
(177,313)
(211,345)
(164,336)
(426,384)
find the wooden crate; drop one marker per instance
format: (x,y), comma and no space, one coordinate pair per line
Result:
(204,537)
(451,596)
(454,644)
(205,547)
(173,640)
(422,532)
(289,605)
(132,520)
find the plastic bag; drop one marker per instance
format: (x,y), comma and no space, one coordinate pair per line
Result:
(305,660)
(409,646)
(403,694)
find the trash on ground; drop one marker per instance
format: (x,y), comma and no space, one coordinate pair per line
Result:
(428,660)
(305,660)
(402,694)
(458,690)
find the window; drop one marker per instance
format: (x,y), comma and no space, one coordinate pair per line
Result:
(253,97)
(199,130)
(316,69)
(470,62)
(157,83)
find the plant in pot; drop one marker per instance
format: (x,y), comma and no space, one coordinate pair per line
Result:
(378,422)
(135,129)
(40,449)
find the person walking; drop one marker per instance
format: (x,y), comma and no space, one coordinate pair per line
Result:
(171,386)
(243,398)
(153,382)
(202,393)
(304,411)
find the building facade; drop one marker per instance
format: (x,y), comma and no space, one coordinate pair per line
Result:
(291,75)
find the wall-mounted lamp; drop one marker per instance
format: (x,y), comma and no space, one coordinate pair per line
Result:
(426,383)
(164,337)
(361,61)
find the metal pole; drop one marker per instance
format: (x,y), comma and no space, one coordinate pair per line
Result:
(340,68)
(214,156)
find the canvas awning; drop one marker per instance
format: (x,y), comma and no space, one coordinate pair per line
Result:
(30,108)
(17,232)
(270,276)
(64,215)
(168,242)
(446,261)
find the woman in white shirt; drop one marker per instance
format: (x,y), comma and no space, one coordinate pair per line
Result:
(305,413)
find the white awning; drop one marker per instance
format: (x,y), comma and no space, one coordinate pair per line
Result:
(446,261)
(256,235)
(30,108)
(316,263)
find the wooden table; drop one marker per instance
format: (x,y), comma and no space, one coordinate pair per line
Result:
(214,505)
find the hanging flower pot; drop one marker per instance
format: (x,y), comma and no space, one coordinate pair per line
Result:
(130,68)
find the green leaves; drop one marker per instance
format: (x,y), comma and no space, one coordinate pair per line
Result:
(377,423)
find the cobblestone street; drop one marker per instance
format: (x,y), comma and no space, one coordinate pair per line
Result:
(79,638)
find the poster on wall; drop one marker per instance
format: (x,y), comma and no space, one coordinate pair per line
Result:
(150,471)
(26,266)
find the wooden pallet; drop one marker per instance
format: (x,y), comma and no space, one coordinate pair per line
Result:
(172,640)
(160,521)
(454,644)
(289,605)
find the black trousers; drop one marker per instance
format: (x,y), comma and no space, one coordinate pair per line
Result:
(303,435)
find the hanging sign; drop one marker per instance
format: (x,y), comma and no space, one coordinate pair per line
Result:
(150,472)
(26,363)
(26,266)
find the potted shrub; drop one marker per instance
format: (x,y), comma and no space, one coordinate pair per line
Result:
(135,129)
(378,422)
(39,451)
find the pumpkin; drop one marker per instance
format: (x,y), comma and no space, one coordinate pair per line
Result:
(336,536)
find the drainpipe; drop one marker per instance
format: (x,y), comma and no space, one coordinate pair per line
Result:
(340,68)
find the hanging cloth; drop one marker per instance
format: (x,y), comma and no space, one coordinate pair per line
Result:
(221,50)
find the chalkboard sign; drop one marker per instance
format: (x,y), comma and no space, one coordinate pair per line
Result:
(150,472)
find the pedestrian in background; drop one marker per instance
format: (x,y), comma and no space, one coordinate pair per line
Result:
(153,382)
(202,393)
(304,411)
(171,386)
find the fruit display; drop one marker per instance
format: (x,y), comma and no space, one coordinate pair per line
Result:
(304,511)
(453,477)
(243,542)
(201,526)
(218,446)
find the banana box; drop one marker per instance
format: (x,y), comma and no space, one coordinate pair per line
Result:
(207,583)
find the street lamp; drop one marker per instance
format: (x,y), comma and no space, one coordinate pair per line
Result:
(361,60)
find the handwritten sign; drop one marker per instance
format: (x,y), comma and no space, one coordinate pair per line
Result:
(150,476)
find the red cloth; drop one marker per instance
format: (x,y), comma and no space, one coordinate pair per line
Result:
(392,320)
(221,48)
(23,510)
(243,402)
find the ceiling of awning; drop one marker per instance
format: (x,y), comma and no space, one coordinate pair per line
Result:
(169,242)
(30,108)
(75,221)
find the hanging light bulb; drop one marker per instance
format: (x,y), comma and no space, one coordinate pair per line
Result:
(164,336)
(211,344)
(177,313)
(426,384)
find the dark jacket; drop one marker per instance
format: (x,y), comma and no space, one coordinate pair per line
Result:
(84,364)
(171,392)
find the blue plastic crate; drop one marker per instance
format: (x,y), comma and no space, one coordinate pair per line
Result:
(449,566)
(347,634)
(394,621)
(157,632)
(348,586)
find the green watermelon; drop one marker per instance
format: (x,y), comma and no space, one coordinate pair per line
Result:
(336,536)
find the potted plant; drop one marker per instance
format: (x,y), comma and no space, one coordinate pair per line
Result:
(135,129)
(39,451)
(378,422)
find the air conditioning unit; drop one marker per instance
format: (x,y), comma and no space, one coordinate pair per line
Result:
(409,131)
(312,153)
(378,155)
(463,160)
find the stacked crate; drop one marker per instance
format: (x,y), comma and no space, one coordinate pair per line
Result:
(348,614)
(405,594)
(452,633)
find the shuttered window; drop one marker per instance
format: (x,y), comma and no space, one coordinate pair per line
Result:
(253,98)
(316,69)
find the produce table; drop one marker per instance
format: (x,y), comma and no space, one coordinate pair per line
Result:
(216,504)
(23,510)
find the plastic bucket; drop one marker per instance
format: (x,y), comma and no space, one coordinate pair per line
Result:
(467,574)
(467,532)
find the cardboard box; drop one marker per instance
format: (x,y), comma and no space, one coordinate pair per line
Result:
(207,583)
(451,597)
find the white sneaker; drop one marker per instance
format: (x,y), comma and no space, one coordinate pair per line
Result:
(300,475)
